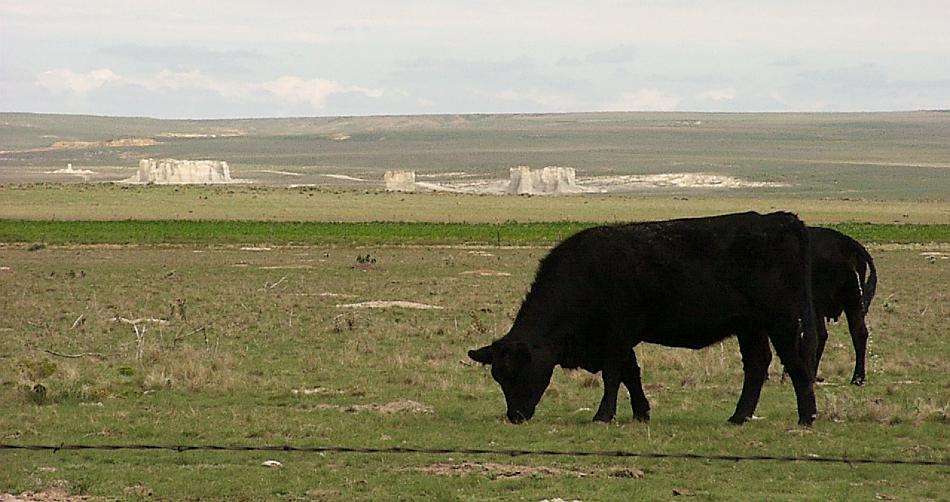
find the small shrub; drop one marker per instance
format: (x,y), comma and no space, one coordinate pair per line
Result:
(35,370)
(365,260)
(35,393)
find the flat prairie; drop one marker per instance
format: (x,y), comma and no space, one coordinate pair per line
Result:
(260,346)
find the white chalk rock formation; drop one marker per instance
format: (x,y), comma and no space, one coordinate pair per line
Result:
(171,171)
(400,181)
(69,170)
(549,180)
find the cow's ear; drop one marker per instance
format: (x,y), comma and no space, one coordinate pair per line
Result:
(482,355)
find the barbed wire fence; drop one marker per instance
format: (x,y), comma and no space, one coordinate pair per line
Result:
(478,451)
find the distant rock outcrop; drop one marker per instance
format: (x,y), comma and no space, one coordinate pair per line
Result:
(400,181)
(549,180)
(171,171)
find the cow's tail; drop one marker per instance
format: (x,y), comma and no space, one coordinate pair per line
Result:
(809,336)
(870,285)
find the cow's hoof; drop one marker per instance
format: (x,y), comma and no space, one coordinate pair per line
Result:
(806,421)
(643,416)
(739,420)
(858,381)
(605,418)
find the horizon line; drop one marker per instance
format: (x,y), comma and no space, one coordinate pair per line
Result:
(444,114)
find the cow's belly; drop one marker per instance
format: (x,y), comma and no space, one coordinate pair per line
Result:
(691,335)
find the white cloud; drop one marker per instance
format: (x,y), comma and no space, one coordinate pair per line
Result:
(488,55)
(313,91)
(553,101)
(644,100)
(288,88)
(724,94)
(62,81)
(615,55)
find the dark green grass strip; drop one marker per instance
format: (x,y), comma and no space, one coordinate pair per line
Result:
(282,233)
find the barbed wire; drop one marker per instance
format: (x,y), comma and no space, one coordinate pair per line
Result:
(477,451)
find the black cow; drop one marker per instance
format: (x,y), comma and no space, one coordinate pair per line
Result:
(843,280)
(680,283)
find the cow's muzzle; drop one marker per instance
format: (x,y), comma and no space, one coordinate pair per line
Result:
(517,417)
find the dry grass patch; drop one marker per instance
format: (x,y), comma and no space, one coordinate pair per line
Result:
(886,410)
(493,470)
(497,471)
(194,369)
(50,495)
(400,406)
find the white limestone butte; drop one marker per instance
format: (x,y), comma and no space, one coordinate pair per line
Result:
(172,171)
(548,180)
(400,181)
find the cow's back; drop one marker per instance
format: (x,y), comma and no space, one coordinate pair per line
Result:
(839,266)
(687,282)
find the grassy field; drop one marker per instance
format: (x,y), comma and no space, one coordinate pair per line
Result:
(245,332)
(115,202)
(203,232)
(255,348)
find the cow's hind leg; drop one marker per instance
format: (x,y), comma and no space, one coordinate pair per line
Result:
(756,357)
(611,374)
(859,337)
(822,330)
(630,376)
(785,339)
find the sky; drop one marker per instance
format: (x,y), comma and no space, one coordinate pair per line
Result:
(215,59)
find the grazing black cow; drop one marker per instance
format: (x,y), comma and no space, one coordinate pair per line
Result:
(843,280)
(679,283)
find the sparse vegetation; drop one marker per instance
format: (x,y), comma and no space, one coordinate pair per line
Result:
(310,233)
(254,364)
(222,315)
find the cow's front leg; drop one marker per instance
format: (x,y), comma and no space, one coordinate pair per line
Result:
(756,357)
(784,338)
(630,376)
(608,404)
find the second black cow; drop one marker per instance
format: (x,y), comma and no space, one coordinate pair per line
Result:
(679,283)
(844,280)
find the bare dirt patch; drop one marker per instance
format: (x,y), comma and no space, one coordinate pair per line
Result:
(343,177)
(316,391)
(611,184)
(223,133)
(49,495)
(69,170)
(670,180)
(112,143)
(497,471)
(400,406)
(381,304)
(514,471)
(81,145)
(486,273)
(274,171)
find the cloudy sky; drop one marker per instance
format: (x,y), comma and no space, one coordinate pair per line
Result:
(216,59)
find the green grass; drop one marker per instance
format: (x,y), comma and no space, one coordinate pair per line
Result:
(244,328)
(289,233)
(272,324)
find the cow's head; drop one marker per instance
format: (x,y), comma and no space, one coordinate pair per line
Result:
(522,370)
